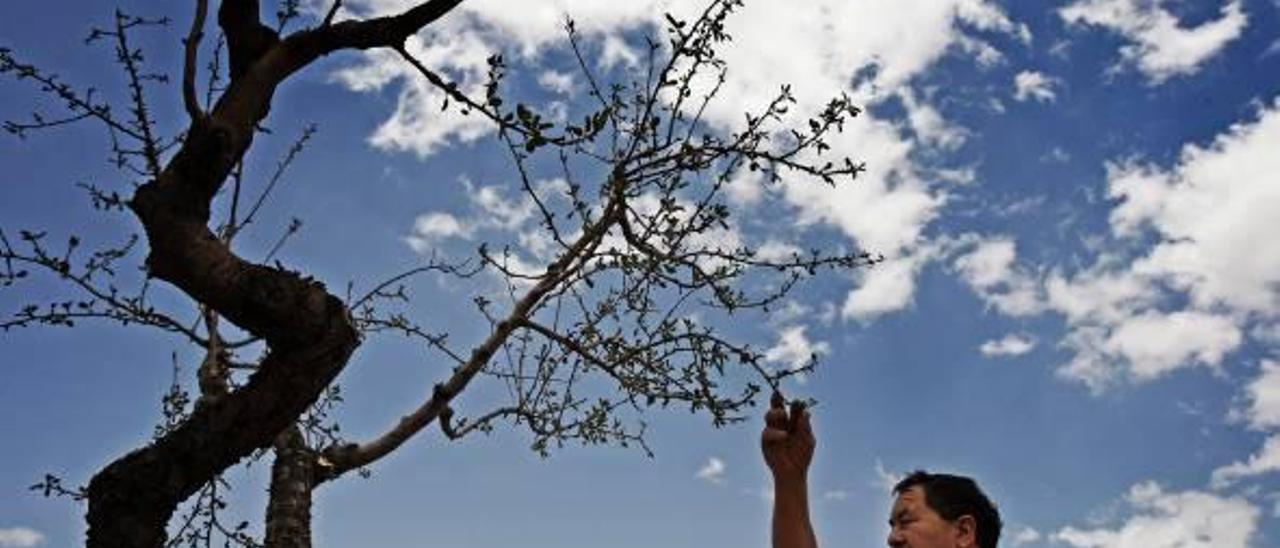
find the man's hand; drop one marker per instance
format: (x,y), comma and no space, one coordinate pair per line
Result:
(787,443)
(787,440)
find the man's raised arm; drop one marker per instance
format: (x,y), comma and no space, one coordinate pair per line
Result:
(788,443)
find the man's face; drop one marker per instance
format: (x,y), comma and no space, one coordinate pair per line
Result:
(913,524)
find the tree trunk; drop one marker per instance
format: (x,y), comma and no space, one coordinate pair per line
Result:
(308,331)
(289,506)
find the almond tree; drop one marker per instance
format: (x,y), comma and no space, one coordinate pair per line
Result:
(598,331)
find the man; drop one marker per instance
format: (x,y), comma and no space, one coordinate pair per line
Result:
(929,511)
(942,511)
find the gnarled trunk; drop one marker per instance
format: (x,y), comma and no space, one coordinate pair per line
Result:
(308,331)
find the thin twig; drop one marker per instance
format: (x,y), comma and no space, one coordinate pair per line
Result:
(189,66)
(281,167)
(333,10)
(130,60)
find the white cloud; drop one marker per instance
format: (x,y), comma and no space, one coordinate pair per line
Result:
(1061,49)
(431,228)
(987,16)
(1159,45)
(712,471)
(794,349)
(989,264)
(1115,328)
(746,189)
(20,537)
(617,51)
(884,288)
(1183,281)
(835,495)
(996,105)
(774,250)
(1104,293)
(984,53)
(790,312)
(1155,343)
(1088,365)
(1145,346)
(886,479)
(1263,395)
(1023,535)
(491,208)
(1266,333)
(1142,191)
(1266,460)
(929,125)
(1211,210)
(1188,519)
(1013,344)
(1058,155)
(887,210)
(418,123)
(960,175)
(991,270)
(1030,84)
(554,80)
(502,211)
(1272,49)
(1019,207)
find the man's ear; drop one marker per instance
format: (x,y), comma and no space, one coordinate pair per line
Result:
(966,531)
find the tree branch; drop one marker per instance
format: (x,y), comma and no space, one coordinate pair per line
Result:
(76,102)
(333,11)
(130,60)
(189,62)
(341,459)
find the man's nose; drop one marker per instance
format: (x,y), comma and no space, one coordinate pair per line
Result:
(895,539)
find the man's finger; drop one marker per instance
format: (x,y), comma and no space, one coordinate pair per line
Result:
(802,424)
(776,418)
(777,401)
(773,436)
(797,411)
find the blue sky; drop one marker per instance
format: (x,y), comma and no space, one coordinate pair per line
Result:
(1080,303)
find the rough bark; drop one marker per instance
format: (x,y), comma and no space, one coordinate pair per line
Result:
(288,523)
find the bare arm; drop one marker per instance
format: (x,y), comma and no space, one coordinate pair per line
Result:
(788,443)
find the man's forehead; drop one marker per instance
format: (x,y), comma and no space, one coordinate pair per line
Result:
(908,499)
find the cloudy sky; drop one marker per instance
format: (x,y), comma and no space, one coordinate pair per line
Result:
(1077,202)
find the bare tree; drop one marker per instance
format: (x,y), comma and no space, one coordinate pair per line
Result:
(582,342)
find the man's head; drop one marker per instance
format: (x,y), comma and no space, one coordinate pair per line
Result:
(942,511)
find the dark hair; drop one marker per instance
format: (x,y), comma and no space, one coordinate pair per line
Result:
(955,496)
